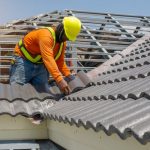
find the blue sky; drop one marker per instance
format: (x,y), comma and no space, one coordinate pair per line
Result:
(20,9)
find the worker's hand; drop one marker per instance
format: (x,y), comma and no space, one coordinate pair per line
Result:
(73,72)
(69,78)
(64,87)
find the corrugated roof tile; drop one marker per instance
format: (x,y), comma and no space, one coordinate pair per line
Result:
(118,102)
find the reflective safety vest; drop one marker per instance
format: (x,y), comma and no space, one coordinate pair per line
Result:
(38,58)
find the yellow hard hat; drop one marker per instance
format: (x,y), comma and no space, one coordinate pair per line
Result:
(72,27)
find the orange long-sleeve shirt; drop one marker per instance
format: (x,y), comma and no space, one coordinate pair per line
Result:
(41,42)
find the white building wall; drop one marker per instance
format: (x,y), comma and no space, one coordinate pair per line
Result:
(74,138)
(21,128)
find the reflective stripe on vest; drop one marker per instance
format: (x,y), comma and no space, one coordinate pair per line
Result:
(27,55)
(39,57)
(61,45)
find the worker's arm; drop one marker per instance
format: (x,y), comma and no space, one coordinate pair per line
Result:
(62,64)
(46,48)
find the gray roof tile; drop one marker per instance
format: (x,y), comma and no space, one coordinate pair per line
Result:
(118,102)
(124,117)
(19,92)
(123,75)
(24,100)
(132,88)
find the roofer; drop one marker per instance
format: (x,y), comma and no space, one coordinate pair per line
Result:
(41,52)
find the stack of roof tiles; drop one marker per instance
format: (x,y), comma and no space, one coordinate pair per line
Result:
(119,102)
